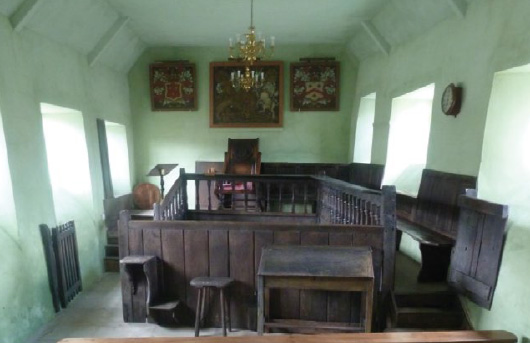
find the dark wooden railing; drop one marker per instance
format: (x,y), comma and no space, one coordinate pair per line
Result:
(327,200)
(175,204)
(344,203)
(332,200)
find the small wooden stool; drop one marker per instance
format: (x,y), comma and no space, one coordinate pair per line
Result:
(204,283)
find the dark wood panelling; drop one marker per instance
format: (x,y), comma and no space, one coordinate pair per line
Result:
(189,249)
(436,207)
(173,264)
(477,254)
(368,175)
(241,246)
(196,261)
(313,304)
(285,303)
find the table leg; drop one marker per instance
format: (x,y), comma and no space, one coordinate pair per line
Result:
(261,306)
(369,299)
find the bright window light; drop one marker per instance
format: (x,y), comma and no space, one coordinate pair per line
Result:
(365,130)
(7,205)
(408,139)
(505,169)
(118,158)
(67,156)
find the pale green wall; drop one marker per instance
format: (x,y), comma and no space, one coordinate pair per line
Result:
(33,70)
(505,177)
(493,36)
(185,137)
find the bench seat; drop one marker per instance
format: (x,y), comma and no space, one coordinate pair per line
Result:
(431,219)
(423,234)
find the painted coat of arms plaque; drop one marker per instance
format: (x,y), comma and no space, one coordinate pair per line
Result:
(315,86)
(173,86)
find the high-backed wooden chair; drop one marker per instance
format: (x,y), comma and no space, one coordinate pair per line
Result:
(243,157)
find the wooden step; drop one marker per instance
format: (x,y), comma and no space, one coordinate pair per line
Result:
(112,237)
(111,250)
(167,312)
(427,311)
(307,326)
(112,264)
(428,318)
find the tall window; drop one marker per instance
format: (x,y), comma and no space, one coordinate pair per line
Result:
(505,169)
(408,139)
(68,166)
(364,130)
(118,157)
(8,225)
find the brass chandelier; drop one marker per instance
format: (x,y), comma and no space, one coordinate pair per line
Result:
(248,50)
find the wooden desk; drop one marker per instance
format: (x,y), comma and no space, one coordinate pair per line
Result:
(315,267)
(386,337)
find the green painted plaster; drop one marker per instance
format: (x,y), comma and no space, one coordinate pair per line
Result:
(504,177)
(493,36)
(185,137)
(34,70)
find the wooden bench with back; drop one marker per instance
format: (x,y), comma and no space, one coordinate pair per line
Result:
(432,219)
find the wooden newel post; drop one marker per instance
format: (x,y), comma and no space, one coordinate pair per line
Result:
(184,188)
(162,170)
(388,211)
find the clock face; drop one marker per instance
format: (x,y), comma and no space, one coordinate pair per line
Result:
(451,100)
(447,99)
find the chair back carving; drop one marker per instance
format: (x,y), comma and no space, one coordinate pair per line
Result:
(242,157)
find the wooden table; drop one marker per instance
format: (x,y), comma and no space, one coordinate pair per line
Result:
(315,267)
(386,337)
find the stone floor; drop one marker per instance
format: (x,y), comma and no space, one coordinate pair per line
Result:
(97,312)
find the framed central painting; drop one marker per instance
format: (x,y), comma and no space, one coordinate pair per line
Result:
(261,106)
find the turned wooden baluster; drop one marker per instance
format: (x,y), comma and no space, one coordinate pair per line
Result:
(280,189)
(305,198)
(292,197)
(197,203)
(345,208)
(349,209)
(330,205)
(209,183)
(268,197)
(365,212)
(377,212)
(258,196)
(357,211)
(232,200)
(246,194)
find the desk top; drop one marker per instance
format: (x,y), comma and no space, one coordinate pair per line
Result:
(322,261)
(403,337)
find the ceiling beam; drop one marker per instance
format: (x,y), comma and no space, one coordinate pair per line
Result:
(376,36)
(459,7)
(105,41)
(23,14)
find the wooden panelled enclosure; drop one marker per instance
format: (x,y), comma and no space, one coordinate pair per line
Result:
(190,249)
(229,243)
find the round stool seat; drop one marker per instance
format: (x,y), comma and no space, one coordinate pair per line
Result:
(214,281)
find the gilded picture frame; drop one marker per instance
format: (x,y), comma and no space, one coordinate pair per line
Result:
(258,107)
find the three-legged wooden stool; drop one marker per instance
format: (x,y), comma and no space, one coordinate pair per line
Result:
(204,283)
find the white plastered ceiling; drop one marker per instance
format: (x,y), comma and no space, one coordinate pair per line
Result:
(115,32)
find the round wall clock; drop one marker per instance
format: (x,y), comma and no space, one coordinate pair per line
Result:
(452,100)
